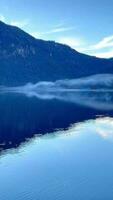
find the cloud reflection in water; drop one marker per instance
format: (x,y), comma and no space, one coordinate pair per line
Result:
(94,91)
(102,126)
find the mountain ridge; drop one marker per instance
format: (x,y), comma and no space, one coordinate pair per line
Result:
(24,59)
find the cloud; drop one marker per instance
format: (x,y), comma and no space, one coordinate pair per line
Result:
(76,91)
(59,30)
(60,24)
(20,24)
(60,27)
(2,18)
(56,29)
(36,35)
(71,41)
(104,127)
(102,49)
(107,54)
(105,42)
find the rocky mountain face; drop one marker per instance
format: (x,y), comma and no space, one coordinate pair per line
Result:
(25,59)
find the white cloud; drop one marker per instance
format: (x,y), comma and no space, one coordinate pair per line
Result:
(36,34)
(20,24)
(105,42)
(104,127)
(73,42)
(59,30)
(102,49)
(60,27)
(60,24)
(2,18)
(107,54)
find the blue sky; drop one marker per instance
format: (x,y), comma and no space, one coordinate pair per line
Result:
(86,25)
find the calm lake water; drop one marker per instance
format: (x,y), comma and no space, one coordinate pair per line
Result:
(55,149)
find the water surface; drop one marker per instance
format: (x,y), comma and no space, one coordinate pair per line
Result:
(56,140)
(72,164)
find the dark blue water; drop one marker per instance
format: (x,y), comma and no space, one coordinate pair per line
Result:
(23,117)
(56,149)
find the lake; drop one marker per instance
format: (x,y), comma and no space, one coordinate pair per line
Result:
(57,146)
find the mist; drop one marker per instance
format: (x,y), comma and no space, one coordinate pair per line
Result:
(94,91)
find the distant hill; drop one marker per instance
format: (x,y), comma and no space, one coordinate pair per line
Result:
(24,59)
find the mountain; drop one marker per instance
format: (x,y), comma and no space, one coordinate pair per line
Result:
(24,59)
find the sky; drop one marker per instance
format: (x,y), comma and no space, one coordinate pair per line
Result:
(85,25)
